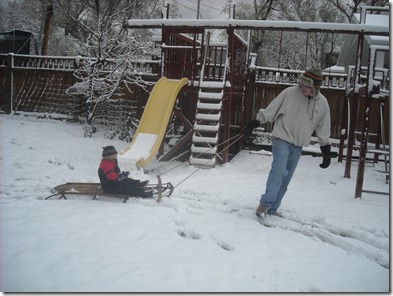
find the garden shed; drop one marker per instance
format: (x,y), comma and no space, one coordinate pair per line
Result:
(15,41)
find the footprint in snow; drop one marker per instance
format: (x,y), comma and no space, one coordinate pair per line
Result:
(180,223)
(223,245)
(188,234)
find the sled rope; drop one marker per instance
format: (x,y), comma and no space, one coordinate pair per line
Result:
(237,138)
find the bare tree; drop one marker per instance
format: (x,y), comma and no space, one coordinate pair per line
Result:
(295,50)
(258,10)
(107,49)
(349,7)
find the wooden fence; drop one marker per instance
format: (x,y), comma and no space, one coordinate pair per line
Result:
(336,88)
(39,84)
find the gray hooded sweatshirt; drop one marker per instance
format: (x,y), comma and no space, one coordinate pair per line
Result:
(296,117)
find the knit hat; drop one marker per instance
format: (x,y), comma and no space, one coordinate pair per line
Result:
(312,77)
(108,150)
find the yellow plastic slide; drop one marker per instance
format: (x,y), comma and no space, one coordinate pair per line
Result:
(153,124)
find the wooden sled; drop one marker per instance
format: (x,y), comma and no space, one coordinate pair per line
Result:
(95,189)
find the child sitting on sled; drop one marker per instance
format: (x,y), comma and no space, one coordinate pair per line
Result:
(114,181)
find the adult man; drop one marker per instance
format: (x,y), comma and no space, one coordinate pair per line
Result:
(297,111)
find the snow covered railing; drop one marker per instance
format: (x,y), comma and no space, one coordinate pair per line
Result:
(146,67)
(180,53)
(379,76)
(288,76)
(215,62)
(27,62)
(71,63)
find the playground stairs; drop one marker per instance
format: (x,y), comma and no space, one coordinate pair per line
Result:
(207,124)
(208,110)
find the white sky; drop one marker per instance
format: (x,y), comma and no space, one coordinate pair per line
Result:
(208,9)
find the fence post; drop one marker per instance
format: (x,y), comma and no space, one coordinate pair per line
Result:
(9,84)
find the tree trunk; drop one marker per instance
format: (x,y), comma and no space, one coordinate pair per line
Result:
(48,21)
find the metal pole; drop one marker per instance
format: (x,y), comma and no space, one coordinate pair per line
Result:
(198,8)
(354,106)
(9,84)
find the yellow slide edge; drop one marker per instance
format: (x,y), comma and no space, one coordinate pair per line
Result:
(157,113)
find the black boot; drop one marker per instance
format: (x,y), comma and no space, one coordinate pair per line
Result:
(142,192)
(143,184)
(148,194)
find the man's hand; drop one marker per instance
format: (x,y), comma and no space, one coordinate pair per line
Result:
(247,131)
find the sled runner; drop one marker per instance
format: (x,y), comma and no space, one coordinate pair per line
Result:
(95,189)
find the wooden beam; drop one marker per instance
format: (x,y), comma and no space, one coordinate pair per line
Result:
(180,144)
(181,116)
(183,141)
(260,24)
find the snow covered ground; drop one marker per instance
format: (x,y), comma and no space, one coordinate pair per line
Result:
(204,238)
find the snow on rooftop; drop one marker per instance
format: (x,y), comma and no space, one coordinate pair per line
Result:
(335,69)
(381,20)
(373,19)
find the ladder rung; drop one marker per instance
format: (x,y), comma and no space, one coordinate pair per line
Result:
(203,161)
(211,117)
(209,106)
(212,84)
(203,150)
(208,140)
(210,95)
(207,128)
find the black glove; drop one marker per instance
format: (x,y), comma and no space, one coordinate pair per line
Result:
(250,127)
(326,156)
(123,175)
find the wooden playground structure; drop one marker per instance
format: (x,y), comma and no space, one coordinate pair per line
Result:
(226,87)
(217,102)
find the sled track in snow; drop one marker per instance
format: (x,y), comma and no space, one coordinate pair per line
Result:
(333,236)
(367,243)
(344,233)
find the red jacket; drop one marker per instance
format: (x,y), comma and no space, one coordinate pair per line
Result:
(108,173)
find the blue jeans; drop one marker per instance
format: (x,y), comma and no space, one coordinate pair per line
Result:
(285,159)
